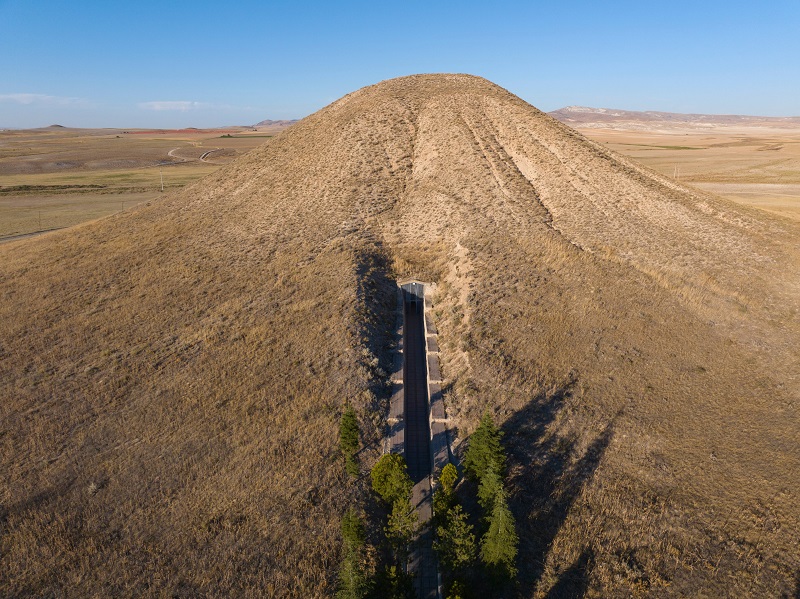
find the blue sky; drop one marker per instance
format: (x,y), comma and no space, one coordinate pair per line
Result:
(179,63)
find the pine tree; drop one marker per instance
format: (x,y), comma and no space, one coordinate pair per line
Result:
(456,590)
(403,523)
(348,439)
(489,486)
(448,478)
(352,579)
(455,542)
(485,448)
(499,544)
(390,478)
(393,583)
(445,498)
(353,532)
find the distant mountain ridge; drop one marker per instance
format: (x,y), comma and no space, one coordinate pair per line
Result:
(279,123)
(586,116)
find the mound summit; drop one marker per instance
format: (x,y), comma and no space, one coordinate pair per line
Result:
(172,377)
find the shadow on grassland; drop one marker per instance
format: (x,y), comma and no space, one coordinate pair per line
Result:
(797,587)
(376,305)
(574,582)
(545,480)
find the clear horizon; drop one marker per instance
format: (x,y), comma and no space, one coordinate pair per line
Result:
(182,64)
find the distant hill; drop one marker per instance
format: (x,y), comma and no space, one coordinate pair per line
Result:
(270,123)
(585,116)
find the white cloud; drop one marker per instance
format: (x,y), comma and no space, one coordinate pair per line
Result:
(30,99)
(182,106)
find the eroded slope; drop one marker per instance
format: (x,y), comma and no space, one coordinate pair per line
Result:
(175,374)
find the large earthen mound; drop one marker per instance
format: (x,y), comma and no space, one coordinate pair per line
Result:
(172,377)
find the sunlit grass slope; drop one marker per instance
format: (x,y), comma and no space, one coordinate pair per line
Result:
(172,377)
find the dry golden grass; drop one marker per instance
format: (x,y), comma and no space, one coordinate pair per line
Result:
(173,375)
(56,177)
(754,166)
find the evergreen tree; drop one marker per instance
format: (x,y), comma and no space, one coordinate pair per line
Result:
(485,448)
(448,478)
(348,439)
(488,487)
(403,523)
(457,590)
(393,583)
(499,544)
(445,498)
(352,579)
(390,478)
(455,543)
(353,532)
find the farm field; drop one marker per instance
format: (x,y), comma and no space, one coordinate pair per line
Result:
(753,166)
(57,177)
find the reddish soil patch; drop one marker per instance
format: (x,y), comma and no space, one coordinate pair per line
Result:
(172,131)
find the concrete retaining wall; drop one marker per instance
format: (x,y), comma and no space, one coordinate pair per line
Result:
(440,446)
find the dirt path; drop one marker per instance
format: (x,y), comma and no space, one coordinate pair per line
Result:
(31,234)
(201,158)
(181,158)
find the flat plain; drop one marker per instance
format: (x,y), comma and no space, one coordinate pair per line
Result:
(753,161)
(56,177)
(751,167)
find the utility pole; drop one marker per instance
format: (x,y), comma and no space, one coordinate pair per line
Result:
(160,172)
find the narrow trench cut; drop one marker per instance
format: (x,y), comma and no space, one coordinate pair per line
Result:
(416,419)
(415,384)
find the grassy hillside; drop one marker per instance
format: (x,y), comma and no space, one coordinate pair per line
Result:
(174,374)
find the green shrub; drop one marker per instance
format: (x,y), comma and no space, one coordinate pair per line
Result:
(390,478)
